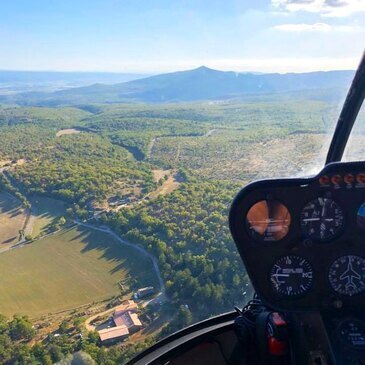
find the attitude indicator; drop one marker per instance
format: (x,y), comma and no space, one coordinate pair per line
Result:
(268,220)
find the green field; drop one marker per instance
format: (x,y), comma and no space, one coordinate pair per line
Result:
(74,267)
(12,219)
(46,211)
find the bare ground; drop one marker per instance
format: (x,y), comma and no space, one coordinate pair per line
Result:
(67,131)
(168,186)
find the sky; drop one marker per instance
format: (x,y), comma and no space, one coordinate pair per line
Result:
(153,36)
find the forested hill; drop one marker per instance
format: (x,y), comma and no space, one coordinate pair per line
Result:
(199,84)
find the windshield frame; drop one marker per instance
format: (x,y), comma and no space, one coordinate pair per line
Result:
(350,110)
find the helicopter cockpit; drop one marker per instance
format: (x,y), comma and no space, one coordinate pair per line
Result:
(302,243)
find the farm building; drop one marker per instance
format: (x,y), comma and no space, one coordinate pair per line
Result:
(113,334)
(144,292)
(127,305)
(129,320)
(126,322)
(125,315)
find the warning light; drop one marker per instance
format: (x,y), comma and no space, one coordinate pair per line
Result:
(324,180)
(361,178)
(349,179)
(336,179)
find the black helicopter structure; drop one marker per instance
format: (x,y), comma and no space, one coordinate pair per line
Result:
(302,241)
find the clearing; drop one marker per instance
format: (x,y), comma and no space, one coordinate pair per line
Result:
(160,174)
(170,182)
(71,268)
(5,163)
(45,212)
(12,219)
(67,131)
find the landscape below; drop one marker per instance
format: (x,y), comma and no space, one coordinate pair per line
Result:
(100,200)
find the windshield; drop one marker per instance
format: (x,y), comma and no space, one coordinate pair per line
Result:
(126,129)
(355,146)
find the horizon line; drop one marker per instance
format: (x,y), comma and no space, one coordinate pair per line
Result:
(155,73)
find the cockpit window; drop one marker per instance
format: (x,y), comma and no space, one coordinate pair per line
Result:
(118,167)
(355,149)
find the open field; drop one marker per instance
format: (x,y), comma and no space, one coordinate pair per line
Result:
(160,174)
(12,218)
(71,268)
(169,184)
(46,211)
(67,131)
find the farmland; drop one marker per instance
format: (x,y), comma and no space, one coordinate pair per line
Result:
(12,219)
(46,212)
(69,269)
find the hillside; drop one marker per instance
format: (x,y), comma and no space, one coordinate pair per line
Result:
(199,84)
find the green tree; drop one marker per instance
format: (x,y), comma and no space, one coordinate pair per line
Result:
(20,328)
(184,316)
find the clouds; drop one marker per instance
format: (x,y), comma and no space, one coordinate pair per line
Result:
(316,27)
(326,8)
(302,27)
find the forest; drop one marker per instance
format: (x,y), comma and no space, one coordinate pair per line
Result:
(187,230)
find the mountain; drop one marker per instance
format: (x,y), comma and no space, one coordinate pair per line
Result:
(199,84)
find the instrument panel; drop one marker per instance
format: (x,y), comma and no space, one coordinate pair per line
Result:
(303,240)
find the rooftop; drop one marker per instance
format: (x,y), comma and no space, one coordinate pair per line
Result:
(128,319)
(127,305)
(113,332)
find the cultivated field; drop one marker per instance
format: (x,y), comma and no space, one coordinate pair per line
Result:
(72,268)
(12,219)
(46,211)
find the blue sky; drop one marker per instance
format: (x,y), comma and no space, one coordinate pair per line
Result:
(151,36)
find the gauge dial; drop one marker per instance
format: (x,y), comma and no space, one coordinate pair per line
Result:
(268,220)
(347,275)
(321,219)
(352,333)
(291,276)
(361,217)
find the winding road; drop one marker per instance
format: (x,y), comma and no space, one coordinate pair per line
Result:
(137,247)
